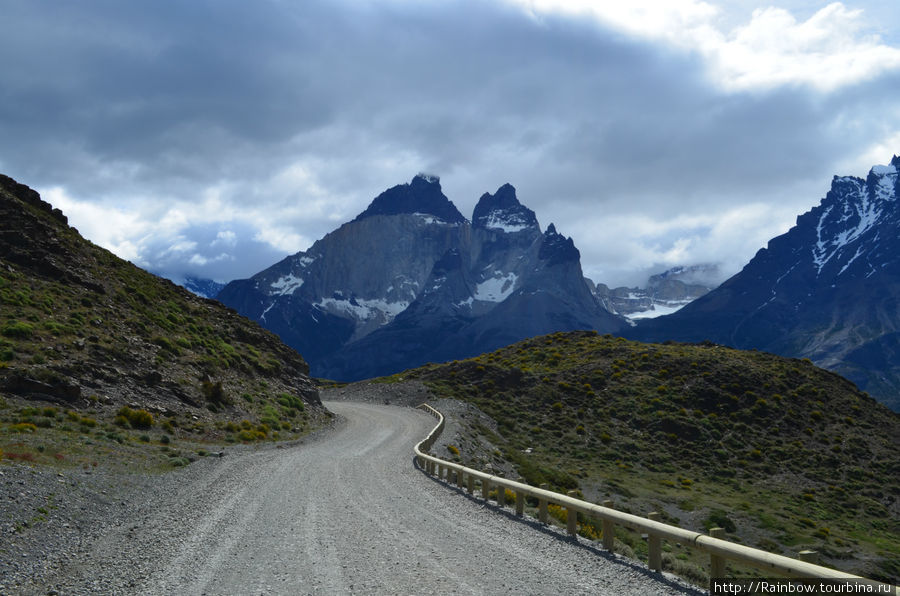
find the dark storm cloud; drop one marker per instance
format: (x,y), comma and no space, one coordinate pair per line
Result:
(296,114)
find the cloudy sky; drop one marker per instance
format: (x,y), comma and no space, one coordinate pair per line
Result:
(214,137)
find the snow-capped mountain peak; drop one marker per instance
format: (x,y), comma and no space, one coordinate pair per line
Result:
(503,212)
(849,217)
(411,280)
(827,290)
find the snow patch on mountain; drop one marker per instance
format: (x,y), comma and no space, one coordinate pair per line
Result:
(287,284)
(363,310)
(884,190)
(496,289)
(658,309)
(829,244)
(467,303)
(429,219)
(506,222)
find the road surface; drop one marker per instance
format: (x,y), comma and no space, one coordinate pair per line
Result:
(347,513)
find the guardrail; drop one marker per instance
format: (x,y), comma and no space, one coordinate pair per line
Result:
(719,550)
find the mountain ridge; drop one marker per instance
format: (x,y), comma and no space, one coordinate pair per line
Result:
(828,289)
(410,262)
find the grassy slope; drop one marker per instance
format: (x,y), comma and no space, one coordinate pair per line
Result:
(785,455)
(84,334)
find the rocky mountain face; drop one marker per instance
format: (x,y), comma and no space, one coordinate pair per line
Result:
(205,288)
(410,280)
(828,290)
(664,293)
(85,329)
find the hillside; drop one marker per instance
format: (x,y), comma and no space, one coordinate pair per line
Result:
(783,454)
(99,356)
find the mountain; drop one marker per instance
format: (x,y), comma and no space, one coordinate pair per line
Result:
(205,288)
(89,332)
(410,280)
(784,455)
(827,290)
(664,293)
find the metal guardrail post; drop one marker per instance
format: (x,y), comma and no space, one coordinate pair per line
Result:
(520,500)
(542,505)
(609,529)
(571,517)
(716,563)
(654,546)
(485,488)
(471,486)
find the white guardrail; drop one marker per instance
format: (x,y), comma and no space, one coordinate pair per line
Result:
(719,550)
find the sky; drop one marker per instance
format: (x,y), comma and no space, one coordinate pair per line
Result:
(212,138)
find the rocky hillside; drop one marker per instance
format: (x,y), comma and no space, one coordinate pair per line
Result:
(828,290)
(91,343)
(784,455)
(410,280)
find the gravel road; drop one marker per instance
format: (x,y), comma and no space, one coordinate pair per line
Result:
(347,513)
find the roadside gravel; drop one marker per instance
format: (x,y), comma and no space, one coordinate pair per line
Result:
(347,513)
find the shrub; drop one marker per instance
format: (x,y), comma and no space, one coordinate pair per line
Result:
(453,449)
(213,392)
(135,418)
(718,518)
(166,344)
(23,427)
(17,329)
(291,402)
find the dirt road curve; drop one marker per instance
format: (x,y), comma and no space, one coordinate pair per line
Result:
(345,514)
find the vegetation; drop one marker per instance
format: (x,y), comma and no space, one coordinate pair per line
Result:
(783,455)
(120,354)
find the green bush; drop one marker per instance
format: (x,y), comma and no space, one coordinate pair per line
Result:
(719,519)
(134,418)
(291,402)
(166,344)
(17,329)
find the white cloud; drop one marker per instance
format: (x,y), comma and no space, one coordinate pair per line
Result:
(834,48)
(639,245)
(828,51)
(251,133)
(114,229)
(225,238)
